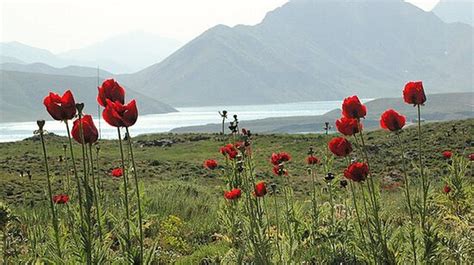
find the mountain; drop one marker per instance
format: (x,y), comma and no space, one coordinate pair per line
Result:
(125,53)
(455,11)
(17,52)
(315,50)
(439,107)
(9,59)
(21,95)
(42,68)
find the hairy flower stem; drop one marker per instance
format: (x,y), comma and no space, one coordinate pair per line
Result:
(94,189)
(277,226)
(89,199)
(333,222)
(50,199)
(99,184)
(424,183)
(66,169)
(125,187)
(372,191)
(314,202)
(354,201)
(76,175)
(407,194)
(135,176)
(367,221)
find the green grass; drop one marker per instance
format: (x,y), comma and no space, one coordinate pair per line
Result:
(176,184)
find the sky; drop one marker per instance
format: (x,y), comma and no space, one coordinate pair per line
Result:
(61,25)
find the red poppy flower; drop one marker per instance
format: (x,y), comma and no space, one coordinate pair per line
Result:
(447,154)
(348,126)
(413,93)
(112,91)
(89,130)
(392,120)
(260,189)
(446,189)
(117,172)
(352,108)
(229,151)
(471,157)
(357,171)
(210,164)
(340,146)
(312,160)
(279,171)
(60,108)
(60,198)
(278,158)
(119,115)
(232,194)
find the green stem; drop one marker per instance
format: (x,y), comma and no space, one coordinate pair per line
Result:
(96,200)
(99,184)
(50,198)
(277,237)
(407,194)
(135,175)
(68,179)
(423,179)
(125,187)
(372,192)
(88,195)
(76,176)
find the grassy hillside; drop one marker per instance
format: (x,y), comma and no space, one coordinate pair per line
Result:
(22,94)
(182,198)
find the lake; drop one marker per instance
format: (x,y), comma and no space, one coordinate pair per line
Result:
(189,116)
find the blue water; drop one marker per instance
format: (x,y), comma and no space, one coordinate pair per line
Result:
(153,123)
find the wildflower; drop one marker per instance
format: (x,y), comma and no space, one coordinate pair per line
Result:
(413,93)
(89,130)
(471,157)
(229,151)
(357,171)
(353,108)
(446,189)
(60,198)
(348,126)
(110,90)
(117,172)
(118,115)
(279,170)
(392,120)
(260,189)
(312,160)
(340,146)
(60,107)
(447,154)
(278,158)
(210,164)
(232,194)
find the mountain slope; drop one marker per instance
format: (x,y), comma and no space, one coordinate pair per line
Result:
(455,11)
(21,95)
(42,68)
(129,52)
(315,50)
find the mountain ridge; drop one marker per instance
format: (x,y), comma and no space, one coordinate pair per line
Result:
(315,50)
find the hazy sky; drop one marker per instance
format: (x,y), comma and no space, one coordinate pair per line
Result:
(60,25)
